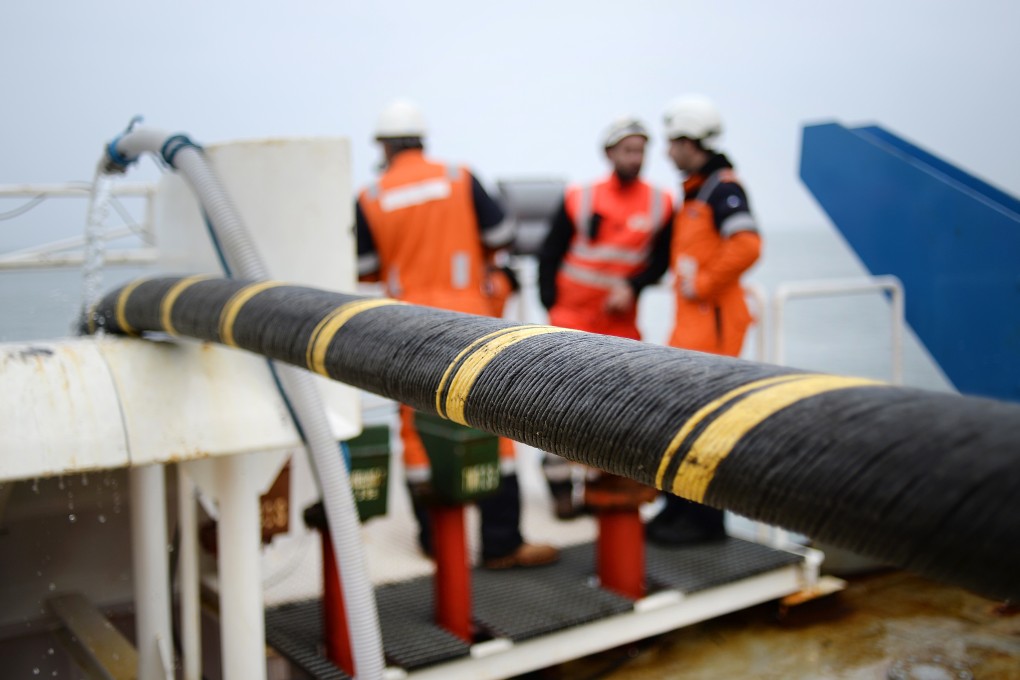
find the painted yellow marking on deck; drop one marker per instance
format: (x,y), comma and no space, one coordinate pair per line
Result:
(325,330)
(718,439)
(167,304)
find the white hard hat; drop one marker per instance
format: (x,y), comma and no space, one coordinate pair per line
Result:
(400,118)
(693,116)
(622,127)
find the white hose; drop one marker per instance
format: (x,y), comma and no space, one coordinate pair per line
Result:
(299,389)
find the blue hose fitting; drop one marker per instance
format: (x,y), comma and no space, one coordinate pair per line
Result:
(173,144)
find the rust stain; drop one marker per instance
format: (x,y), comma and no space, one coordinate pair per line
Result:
(181,456)
(880,623)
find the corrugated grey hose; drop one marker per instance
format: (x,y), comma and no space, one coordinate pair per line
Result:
(299,389)
(919,479)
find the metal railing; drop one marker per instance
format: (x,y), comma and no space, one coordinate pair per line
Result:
(824,288)
(838,288)
(68,252)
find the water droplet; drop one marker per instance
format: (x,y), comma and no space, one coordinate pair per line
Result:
(102,519)
(52,586)
(50,651)
(35,485)
(84,479)
(116,656)
(35,671)
(60,482)
(72,517)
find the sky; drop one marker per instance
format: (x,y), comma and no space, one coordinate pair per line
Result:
(513,89)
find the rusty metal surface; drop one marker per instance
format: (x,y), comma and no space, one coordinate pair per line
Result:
(884,624)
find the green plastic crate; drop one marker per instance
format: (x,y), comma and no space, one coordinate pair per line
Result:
(465,461)
(370,466)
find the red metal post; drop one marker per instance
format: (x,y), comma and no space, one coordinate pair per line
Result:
(334,617)
(453,574)
(621,552)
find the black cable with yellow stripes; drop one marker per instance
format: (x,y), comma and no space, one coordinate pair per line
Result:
(922,480)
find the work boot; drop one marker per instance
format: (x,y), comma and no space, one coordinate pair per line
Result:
(503,547)
(684,522)
(526,555)
(563,499)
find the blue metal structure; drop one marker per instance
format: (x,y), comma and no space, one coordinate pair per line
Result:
(953,239)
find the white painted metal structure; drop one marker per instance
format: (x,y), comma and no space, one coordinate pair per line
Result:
(92,404)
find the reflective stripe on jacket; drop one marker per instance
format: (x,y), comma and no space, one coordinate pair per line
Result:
(422,220)
(707,262)
(629,217)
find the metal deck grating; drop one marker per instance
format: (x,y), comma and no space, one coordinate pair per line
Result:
(294,630)
(690,570)
(518,604)
(410,638)
(524,603)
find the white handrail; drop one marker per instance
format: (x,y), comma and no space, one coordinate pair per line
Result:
(74,190)
(758,295)
(832,288)
(838,287)
(51,254)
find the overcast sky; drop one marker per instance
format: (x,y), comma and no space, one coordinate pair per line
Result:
(512,89)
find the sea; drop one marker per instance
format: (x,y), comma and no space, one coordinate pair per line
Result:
(845,334)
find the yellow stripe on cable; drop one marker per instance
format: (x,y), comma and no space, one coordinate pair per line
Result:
(325,330)
(122,299)
(467,350)
(166,305)
(233,307)
(707,410)
(718,439)
(468,373)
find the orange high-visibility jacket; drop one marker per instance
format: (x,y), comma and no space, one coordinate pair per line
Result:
(630,216)
(707,261)
(423,224)
(422,220)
